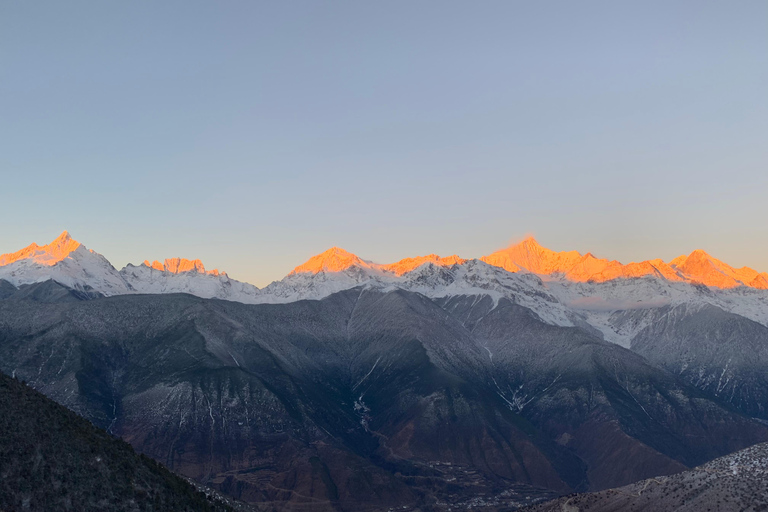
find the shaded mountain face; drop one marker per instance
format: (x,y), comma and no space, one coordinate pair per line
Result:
(722,353)
(367,399)
(582,392)
(272,403)
(6,289)
(52,459)
(733,483)
(46,291)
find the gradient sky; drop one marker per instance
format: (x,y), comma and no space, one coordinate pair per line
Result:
(253,135)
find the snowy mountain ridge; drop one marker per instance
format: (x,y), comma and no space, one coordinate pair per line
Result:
(187,276)
(562,288)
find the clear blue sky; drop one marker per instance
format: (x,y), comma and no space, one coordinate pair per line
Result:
(253,135)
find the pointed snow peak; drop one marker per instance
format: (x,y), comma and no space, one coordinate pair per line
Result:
(334,259)
(49,254)
(700,266)
(699,254)
(62,246)
(62,238)
(695,258)
(530,255)
(531,243)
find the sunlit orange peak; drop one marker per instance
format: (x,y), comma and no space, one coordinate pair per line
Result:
(701,267)
(155,265)
(181,265)
(408,264)
(531,256)
(49,254)
(334,259)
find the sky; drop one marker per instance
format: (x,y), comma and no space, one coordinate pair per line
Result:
(253,135)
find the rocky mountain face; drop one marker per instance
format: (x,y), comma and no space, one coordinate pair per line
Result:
(367,399)
(52,459)
(733,483)
(720,352)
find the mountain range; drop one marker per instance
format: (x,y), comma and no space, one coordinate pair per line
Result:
(428,384)
(563,288)
(71,263)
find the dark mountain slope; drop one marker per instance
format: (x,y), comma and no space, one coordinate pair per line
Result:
(52,459)
(6,289)
(46,291)
(261,401)
(734,483)
(722,353)
(365,400)
(604,402)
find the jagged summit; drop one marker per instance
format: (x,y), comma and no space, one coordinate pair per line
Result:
(50,254)
(181,265)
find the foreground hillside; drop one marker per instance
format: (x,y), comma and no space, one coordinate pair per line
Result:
(52,459)
(734,483)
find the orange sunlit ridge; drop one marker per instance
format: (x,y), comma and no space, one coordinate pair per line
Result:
(64,245)
(336,259)
(528,255)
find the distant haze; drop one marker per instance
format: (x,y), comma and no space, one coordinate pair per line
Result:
(253,135)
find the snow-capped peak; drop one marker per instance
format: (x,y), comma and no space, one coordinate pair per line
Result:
(49,254)
(701,267)
(66,261)
(531,256)
(334,259)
